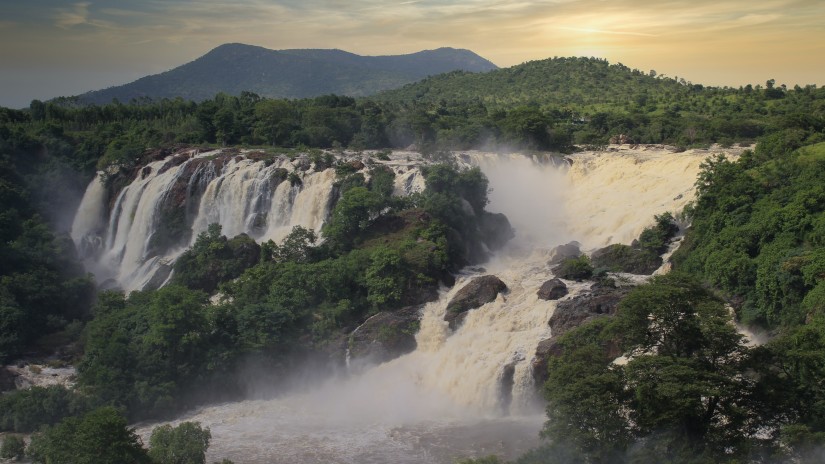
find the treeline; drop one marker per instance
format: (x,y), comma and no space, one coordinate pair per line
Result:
(547,105)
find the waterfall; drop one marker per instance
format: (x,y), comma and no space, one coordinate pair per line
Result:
(160,213)
(467,392)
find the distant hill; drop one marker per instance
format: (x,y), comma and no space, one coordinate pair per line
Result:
(556,82)
(233,68)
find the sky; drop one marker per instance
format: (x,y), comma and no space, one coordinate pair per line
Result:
(52,48)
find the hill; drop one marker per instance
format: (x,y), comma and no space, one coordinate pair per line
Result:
(233,68)
(574,81)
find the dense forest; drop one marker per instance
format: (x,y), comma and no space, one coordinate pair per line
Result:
(692,390)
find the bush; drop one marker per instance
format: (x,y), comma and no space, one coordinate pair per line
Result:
(185,444)
(100,437)
(13,447)
(24,411)
(574,268)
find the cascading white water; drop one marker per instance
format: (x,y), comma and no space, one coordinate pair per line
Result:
(445,399)
(240,194)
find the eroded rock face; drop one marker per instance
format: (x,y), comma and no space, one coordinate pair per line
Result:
(623,258)
(385,336)
(553,289)
(496,230)
(598,302)
(7,380)
(478,292)
(563,252)
(545,350)
(621,139)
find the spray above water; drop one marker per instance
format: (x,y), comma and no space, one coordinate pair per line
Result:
(460,393)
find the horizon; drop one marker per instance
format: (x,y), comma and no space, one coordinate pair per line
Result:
(69,48)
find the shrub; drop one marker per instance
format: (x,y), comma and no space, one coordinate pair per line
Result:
(574,268)
(13,447)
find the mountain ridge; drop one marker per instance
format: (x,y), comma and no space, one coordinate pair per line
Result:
(291,73)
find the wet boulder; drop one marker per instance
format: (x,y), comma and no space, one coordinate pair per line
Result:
(478,292)
(495,229)
(563,252)
(545,350)
(385,336)
(553,289)
(623,258)
(598,302)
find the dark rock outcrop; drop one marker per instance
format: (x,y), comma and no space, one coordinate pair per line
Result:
(385,336)
(621,139)
(563,252)
(479,291)
(623,258)
(7,382)
(553,289)
(545,350)
(159,277)
(577,269)
(598,302)
(495,230)
(569,314)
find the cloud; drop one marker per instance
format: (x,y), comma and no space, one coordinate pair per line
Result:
(602,31)
(701,39)
(78,15)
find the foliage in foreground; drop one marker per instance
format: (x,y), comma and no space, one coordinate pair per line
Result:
(758,233)
(99,437)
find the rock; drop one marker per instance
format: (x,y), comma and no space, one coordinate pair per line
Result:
(160,276)
(623,258)
(562,252)
(506,381)
(598,302)
(7,379)
(479,291)
(385,336)
(621,139)
(577,269)
(553,289)
(545,350)
(302,163)
(496,230)
(569,314)
(356,164)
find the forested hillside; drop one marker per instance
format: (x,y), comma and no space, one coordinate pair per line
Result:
(546,105)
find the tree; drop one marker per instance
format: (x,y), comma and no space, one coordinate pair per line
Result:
(296,247)
(680,396)
(14,447)
(100,437)
(353,213)
(185,444)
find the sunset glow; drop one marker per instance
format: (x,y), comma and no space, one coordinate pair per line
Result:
(54,47)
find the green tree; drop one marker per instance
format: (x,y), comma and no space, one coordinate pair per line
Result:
(680,396)
(100,437)
(13,447)
(185,444)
